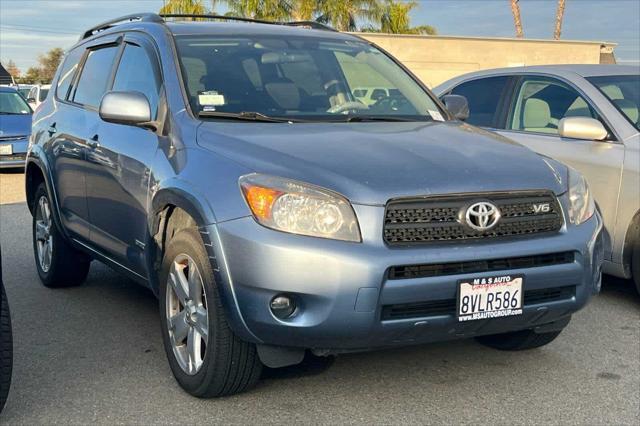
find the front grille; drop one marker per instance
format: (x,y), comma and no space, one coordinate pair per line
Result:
(448,306)
(441,218)
(478,266)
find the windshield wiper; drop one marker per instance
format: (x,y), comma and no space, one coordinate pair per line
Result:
(245,115)
(361,118)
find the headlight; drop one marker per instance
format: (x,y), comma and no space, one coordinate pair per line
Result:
(299,208)
(581,204)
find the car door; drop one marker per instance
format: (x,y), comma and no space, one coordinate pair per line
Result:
(538,103)
(120,160)
(70,128)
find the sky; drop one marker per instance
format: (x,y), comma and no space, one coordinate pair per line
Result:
(32,27)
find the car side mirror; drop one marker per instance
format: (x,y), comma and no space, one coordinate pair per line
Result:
(31,100)
(130,108)
(457,105)
(582,128)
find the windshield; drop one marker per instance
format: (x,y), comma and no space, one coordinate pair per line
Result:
(24,91)
(299,78)
(13,103)
(624,92)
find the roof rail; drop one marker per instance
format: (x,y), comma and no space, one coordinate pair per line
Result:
(153,17)
(142,17)
(311,24)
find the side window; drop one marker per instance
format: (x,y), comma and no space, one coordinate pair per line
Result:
(484,97)
(541,103)
(32,93)
(67,72)
(137,73)
(95,76)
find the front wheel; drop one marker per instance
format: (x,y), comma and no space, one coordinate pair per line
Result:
(518,340)
(206,358)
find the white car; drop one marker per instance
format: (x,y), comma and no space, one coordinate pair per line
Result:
(38,94)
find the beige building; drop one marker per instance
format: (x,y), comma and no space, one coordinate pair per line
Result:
(435,59)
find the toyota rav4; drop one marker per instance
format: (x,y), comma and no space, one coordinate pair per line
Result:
(230,167)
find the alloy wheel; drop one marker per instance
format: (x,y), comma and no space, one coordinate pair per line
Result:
(187,314)
(44,240)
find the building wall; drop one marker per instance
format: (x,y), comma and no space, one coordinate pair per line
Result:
(435,59)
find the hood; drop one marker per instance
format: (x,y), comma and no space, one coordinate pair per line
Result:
(372,162)
(14,125)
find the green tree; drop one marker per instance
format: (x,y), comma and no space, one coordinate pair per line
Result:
(344,15)
(49,63)
(12,69)
(395,18)
(270,10)
(188,7)
(303,10)
(32,76)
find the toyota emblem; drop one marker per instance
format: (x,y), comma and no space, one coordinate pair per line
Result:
(482,216)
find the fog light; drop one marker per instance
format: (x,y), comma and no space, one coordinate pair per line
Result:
(282,306)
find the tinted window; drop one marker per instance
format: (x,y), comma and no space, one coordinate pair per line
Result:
(137,73)
(624,92)
(95,76)
(541,103)
(67,72)
(484,96)
(43,94)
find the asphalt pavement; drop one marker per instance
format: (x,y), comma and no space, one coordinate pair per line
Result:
(94,354)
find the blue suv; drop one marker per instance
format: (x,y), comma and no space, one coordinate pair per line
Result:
(231,168)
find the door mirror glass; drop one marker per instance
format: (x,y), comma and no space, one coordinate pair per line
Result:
(457,105)
(130,108)
(582,128)
(31,100)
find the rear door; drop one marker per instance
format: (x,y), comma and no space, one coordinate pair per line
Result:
(72,127)
(538,104)
(120,162)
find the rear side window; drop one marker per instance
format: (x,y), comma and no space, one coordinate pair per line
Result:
(95,76)
(137,73)
(484,98)
(67,72)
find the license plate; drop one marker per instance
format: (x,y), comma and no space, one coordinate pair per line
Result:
(6,149)
(490,297)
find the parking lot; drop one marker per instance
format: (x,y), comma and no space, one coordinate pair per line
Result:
(94,354)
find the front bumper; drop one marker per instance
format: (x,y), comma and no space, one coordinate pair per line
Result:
(341,287)
(18,157)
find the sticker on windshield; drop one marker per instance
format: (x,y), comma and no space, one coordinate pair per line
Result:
(435,115)
(211,98)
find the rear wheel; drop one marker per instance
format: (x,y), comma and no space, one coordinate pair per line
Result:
(58,264)
(6,348)
(518,340)
(206,358)
(635,265)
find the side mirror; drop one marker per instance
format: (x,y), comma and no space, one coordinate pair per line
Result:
(457,105)
(582,128)
(31,100)
(130,108)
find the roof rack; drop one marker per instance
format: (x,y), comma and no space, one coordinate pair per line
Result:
(153,17)
(142,17)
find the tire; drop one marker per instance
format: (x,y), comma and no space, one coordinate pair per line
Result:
(62,265)
(518,340)
(226,365)
(635,265)
(6,348)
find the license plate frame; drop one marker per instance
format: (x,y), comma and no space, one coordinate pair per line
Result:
(6,149)
(480,288)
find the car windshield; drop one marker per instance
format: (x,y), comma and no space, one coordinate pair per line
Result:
(303,78)
(13,103)
(24,92)
(624,92)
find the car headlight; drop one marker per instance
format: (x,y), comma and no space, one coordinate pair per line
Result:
(299,208)
(581,203)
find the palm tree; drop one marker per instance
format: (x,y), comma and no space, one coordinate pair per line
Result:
(395,19)
(515,9)
(271,10)
(189,7)
(344,14)
(303,10)
(559,17)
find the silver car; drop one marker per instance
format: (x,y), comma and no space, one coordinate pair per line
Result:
(583,115)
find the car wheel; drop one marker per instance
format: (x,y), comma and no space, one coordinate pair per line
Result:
(635,265)
(518,340)
(205,356)
(58,264)
(6,348)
